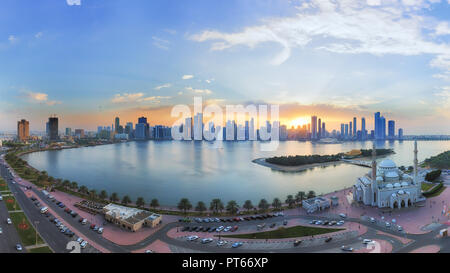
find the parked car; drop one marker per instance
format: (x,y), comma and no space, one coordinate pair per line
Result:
(343,215)
(8,221)
(328,239)
(222,243)
(100,230)
(207,240)
(84,221)
(237,244)
(79,240)
(297,242)
(234,228)
(399,228)
(83,244)
(184,229)
(219,229)
(285,222)
(388,224)
(367,241)
(1,230)
(19,247)
(92,226)
(192,238)
(227,229)
(347,248)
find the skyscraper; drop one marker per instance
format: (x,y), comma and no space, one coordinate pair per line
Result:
(246,130)
(319,128)
(323,130)
(382,127)
(23,130)
(342,130)
(346,131)
(350,128)
(53,128)
(187,129)
(230,130)
(377,129)
(363,128)
(400,133)
(198,126)
(142,129)
(251,130)
(391,129)
(116,125)
(354,126)
(314,127)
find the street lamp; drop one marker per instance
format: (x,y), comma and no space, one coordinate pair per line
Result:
(36,231)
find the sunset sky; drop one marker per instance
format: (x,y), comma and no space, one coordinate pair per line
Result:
(88,61)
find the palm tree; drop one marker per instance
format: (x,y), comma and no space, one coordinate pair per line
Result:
(201,207)
(114,197)
(50,179)
(248,205)
(74,185)
(126,200)
(140,202)
(300,197)
(290,201)
(103,195)
(232,207)
(184,205)
(276,204)
(216,205)
(93,194)
(66,184)
(311,194)
(263,205)
(83,189)
(154,203)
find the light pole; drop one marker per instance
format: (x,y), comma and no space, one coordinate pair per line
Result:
(36,232)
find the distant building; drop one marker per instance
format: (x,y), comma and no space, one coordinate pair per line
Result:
(68,131)
(79,133)
(391,129)
(314,127)
(23,130)
(354,126)
(117,124)
(53,128)
(316,204)
(400,133)
(131,219)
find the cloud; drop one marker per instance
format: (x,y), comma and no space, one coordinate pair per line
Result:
(187,77)
(127,97)
(160,43)
(12,39)
(37,97)
(346,27)
(167,85)
(199,91)
(38,35)
(73,2)
(209,81)
(442,29)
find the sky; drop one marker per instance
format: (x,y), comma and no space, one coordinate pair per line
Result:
(88,61)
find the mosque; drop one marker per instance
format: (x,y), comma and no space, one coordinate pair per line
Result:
(387,186)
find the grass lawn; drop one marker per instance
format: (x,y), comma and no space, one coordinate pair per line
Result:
(44,249)
(11,203)
(441,190)
(3,186)
(426,186)
(282,233)
(26,231)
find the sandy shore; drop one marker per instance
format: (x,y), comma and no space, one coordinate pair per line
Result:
(262,162)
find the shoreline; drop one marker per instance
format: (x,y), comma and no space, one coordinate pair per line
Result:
(262,161)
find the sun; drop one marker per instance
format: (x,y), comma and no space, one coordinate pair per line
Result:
(300,121)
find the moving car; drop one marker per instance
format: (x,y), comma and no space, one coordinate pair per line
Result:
(100,230)
(297,242)
(19,247)
(192,238)
(343,215)
(372,220)
(367,241)
(347,248)
(8,221)
(84,221)
(1,230)
(328,239)
(285,222)
(207,240)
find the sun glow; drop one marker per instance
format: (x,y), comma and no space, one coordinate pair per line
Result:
(300,121)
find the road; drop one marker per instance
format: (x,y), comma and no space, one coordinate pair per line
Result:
(9,238)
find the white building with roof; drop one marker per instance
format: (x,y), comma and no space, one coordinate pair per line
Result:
(387,186)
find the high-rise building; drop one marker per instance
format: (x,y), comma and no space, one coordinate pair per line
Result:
(354,126)
(319,128)
(187,129)
(53,128)
(400,133)
(377,130)
(246,130)
(230,130)
(323,130)
(69,131)
(346,131)
(142,129)
(363,129)
(198,126)
(314,127)
(79,133)
(251,130)
(342,130)
(117,124)
(350,134)
(382,127)
(391,129)
(23,130)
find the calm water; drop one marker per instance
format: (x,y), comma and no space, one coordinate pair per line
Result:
(200,171)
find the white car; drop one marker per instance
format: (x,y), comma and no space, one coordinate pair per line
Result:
(84,222)
(219,229)
(1,230)
(83,244)
(221,243)
(227,229)
(192,238)
(80,240)
(367,241)
(149,251)
(8,221)
(100,230)
(19,247)
(1,198)
(207,240)
(343,215)
(388,224)
(399,228)
(372,220)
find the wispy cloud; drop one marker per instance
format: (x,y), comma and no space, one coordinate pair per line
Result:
(350,27)
(37,97)
(12,39)
(187,77)
(160,43)
(159,87)
(73,2)
(199,91)
(38,35)
(127,97)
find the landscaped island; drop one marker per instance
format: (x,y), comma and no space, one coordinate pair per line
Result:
(299,160)
(441,161)
(283,233)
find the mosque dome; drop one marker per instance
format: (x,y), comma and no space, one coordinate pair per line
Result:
(404,184)
(391,175)
(389,185)
(397,185)
(387,164)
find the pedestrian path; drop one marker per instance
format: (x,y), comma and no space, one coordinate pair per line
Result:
(36,246)
(13,211)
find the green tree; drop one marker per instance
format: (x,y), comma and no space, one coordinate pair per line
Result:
(184,205)
(201,207)
(216,205)
(93,194)
(83,189)
(290,201)
(114,197)
(311,194)
(140,202)
(248,205)
(299,197)
(66,184)
(154,203)
(276,204)
(232,207)
(74,185)
(103,195)
(263,205)
(126,200)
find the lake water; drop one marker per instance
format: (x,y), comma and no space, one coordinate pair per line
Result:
(171,170)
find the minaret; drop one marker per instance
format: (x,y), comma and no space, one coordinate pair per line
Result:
(374,175)
(416,182)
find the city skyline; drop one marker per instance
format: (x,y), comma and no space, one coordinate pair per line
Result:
(174,55)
